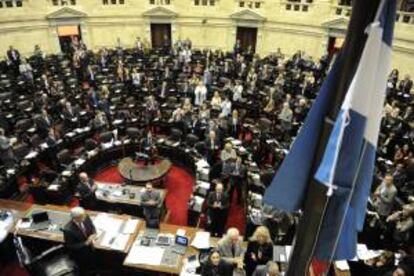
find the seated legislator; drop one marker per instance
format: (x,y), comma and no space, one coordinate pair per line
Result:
(150,200)
(79,235)
(216,266)
(231,250)
(259,250)
(86,189)
(218,204)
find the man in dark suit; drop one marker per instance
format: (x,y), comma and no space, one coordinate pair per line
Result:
(44,123)
(212,146)
(79,235)
(237,176)
(218,204)
(70,116)
(151,201)
(13,55)
(86,190)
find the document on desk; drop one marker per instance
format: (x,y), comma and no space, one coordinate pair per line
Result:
(115,241)
(145,255)
(342,265)
(201,240)
(130,226)
(107,223)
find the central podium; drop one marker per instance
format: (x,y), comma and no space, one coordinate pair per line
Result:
(140,173)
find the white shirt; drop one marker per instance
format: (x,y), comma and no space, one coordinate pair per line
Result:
(226,108)
(200,94)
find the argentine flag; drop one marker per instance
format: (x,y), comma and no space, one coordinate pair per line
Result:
(347,166)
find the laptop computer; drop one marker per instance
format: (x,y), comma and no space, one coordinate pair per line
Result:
(181,244)
(40,221)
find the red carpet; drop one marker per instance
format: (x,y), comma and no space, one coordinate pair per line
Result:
(237,216)
(12,269)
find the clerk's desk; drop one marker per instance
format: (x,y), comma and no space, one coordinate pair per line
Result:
(123,194)
(61,215)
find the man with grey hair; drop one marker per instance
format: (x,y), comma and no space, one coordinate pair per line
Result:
(79,235)
(86,190)
(232,251)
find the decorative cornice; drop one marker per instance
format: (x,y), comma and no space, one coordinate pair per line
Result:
(160,12)
(247,15)
(66,13)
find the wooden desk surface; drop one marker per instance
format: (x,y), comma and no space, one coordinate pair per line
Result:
(132,171)
(171,229)
(112,187)
(57,236)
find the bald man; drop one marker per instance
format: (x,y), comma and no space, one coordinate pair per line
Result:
(86,189)
(218,204)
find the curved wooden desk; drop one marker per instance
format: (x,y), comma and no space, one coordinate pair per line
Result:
(134,172)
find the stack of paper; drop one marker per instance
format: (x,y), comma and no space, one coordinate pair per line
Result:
(145,255)
(201,240)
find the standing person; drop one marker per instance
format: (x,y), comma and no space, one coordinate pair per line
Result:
(200,94)
(384,196)
(86,189)
(216,266)
(150,201)
(79,234)
(218,204)
(259,250)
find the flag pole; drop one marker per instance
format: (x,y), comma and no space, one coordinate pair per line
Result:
(316,199)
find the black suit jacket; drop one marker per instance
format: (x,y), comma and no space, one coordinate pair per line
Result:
(224,200)
(73,236)
(254,247)
(10,55)
(223,269)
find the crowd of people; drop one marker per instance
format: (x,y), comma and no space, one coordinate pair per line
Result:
(212,95)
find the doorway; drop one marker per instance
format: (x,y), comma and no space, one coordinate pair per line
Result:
(160,36)
(334,46)
(66,34)
(247,37)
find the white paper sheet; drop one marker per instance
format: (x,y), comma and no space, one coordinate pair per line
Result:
(145,255)
(201,240)
(130,226)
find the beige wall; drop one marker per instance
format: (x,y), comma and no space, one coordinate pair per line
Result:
(213,27)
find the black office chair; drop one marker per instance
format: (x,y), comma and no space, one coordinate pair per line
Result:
(175,136)
(106,137)
(90,144)
(191,140)
(133,133)
(52,262)
(65,158)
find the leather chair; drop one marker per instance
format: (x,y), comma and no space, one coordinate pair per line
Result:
(175,136)
(191,140)
(65,158)
(106,137)
(52,262)
(90,144)
(133,133)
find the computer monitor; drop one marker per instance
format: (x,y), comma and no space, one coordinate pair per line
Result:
(40,217)
(181,240)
